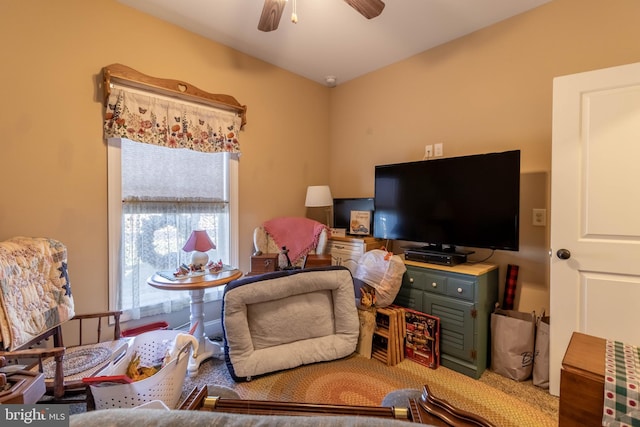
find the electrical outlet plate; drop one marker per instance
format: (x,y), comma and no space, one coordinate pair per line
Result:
(540,217)
(437,150)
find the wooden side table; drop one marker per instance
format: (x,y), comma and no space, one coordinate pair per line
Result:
(196,285)
(582,382)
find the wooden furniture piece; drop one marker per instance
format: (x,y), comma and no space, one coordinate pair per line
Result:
(463,297)
(426,410)
(317,260)
(266,263)
(36,300)
(20,386)
(263,263)
(582,382)
(348,250)
(388,336)
(122,74)
(196,286)
(64,388)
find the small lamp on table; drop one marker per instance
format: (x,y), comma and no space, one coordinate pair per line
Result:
(199,243)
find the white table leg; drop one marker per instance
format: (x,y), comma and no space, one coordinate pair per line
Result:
(206,347)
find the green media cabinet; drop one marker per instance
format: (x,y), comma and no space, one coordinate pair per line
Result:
(463,297)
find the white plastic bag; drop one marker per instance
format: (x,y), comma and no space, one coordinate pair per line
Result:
(382,271)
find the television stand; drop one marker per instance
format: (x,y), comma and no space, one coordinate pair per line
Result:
(442,257)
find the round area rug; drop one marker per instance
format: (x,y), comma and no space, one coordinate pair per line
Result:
(359,381)
(77,360)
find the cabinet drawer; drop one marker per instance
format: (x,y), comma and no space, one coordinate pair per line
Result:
(346,247)
(435,283)
(413,279)
(463,289)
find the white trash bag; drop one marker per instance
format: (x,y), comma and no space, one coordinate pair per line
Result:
(382,271)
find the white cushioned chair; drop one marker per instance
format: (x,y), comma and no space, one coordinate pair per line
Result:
(314,240)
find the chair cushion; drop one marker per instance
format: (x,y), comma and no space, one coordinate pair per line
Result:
(86,360)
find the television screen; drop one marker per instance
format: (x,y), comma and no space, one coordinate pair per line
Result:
(342,210)
(470,201)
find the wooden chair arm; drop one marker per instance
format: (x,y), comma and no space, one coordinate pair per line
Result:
(116,328)
(33,352)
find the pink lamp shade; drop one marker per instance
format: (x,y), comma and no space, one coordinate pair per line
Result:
(199,243)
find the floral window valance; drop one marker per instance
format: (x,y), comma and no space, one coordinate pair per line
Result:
(169,113)
(159,120)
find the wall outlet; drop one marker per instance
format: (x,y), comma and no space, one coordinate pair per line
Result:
(437,150)
(428,151)
(540,217)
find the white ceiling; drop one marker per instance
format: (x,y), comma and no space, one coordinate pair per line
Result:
(331,38)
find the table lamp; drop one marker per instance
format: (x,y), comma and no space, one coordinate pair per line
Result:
(199,243)
(319,196)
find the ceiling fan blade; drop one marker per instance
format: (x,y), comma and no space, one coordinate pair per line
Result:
(271,14)
(367,8)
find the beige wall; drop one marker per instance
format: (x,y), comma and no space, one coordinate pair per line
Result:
(54,164)
(488,91)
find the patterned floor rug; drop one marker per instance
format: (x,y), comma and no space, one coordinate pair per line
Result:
(357,380)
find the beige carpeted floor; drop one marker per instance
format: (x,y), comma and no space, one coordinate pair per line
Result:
(357,380)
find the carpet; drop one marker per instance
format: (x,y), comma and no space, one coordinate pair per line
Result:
(356,380)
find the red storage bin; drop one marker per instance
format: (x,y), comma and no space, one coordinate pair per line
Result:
(144,328)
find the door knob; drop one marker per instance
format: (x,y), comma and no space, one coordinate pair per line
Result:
(563,254)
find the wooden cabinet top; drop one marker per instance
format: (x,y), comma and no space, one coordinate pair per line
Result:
(471,269)
(585,354)
(355,239)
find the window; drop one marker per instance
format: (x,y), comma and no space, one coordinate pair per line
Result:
(172,169)
(158,195)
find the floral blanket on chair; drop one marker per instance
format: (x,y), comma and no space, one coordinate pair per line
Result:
(35,293)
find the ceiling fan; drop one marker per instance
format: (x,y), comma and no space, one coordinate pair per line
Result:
(272,11)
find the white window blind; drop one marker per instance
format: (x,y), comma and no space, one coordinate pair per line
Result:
(164,194)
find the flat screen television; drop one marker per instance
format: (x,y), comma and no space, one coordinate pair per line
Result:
(469,201)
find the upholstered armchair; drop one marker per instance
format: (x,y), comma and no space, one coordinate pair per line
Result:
(301,236)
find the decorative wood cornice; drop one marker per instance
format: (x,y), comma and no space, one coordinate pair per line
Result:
(118,73)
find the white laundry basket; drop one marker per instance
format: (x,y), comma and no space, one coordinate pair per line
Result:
(165,385)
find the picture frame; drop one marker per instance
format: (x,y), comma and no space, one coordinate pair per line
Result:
(360,223)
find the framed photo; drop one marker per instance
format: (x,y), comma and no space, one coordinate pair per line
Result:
(360,223)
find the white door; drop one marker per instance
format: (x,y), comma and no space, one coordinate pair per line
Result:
(595,209)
